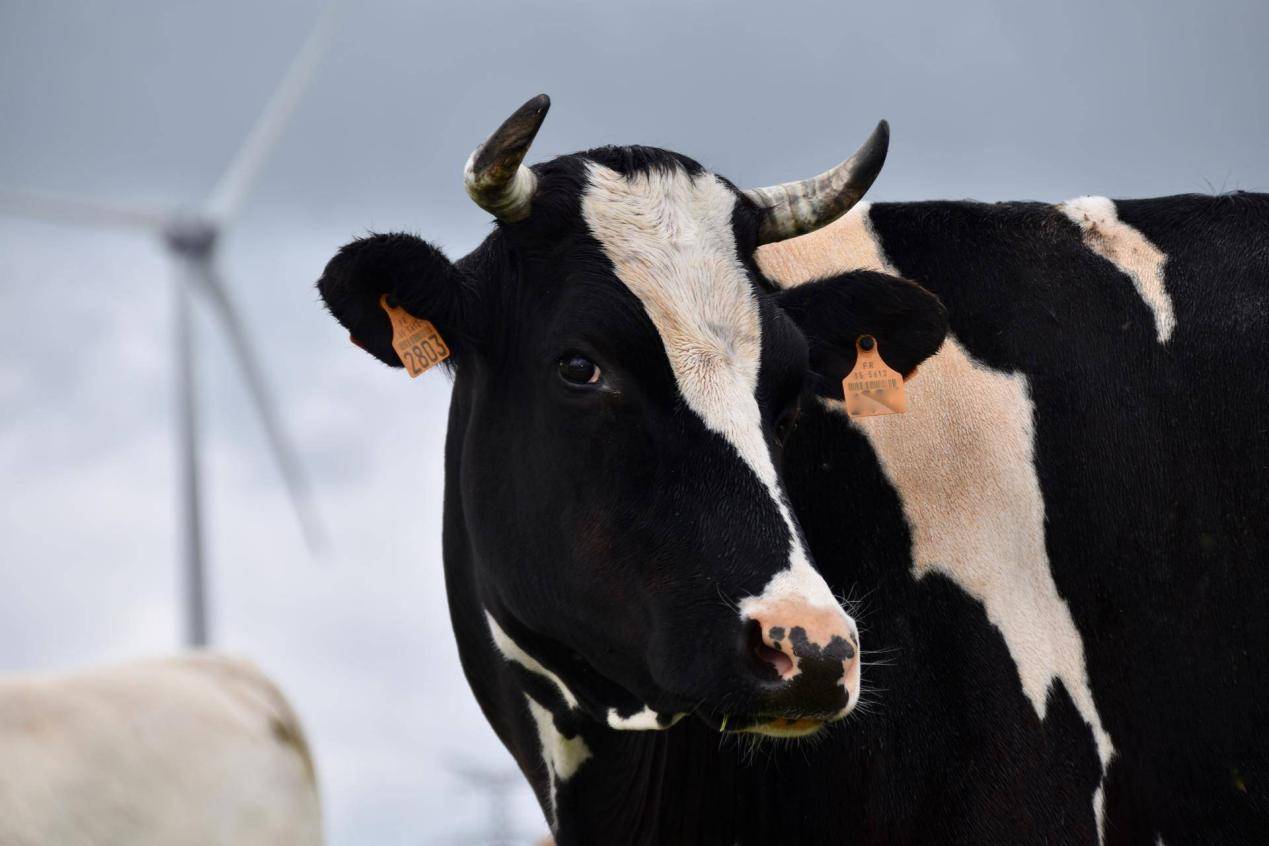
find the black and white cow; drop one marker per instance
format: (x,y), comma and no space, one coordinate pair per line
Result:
(620,549)
(1086,466)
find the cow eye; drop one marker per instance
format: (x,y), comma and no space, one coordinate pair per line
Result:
(786,423)
(579,370)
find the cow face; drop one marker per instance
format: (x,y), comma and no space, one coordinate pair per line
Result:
(624,381)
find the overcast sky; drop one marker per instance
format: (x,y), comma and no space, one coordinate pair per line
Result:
(145,102)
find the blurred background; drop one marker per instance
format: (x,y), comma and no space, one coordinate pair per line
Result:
(146,103)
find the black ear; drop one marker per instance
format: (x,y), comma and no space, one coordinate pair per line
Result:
(414,274)
(908,322)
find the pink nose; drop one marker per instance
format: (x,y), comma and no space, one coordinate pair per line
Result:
(800,639)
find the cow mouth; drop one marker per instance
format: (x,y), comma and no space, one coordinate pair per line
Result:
(788,727)
(668,709)
(783,723)
(768,725)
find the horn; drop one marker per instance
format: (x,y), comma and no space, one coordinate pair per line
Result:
(795,208)
(494,176)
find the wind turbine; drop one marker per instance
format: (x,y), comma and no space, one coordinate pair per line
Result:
(191,237)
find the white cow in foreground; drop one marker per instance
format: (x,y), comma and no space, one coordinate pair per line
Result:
(198,749)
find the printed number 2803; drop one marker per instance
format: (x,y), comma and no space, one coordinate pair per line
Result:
(425,353)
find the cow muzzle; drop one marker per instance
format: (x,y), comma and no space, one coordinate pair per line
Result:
(808,662)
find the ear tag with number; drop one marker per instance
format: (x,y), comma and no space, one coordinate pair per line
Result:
(872,388)
(419,346)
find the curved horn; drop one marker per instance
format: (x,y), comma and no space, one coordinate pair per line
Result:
(494,176)
(795,208)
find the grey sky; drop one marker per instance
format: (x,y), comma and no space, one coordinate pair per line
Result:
(146,102)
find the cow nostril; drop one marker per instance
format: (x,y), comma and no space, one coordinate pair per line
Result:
(775,658)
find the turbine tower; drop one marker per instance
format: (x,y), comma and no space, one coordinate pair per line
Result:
(191,237)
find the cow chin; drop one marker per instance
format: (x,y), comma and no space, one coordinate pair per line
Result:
(787,728)
(793,728)
(766,725)
(780,727)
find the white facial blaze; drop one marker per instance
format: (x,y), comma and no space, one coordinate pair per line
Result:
(669,238)
(1130,251)
(962,460)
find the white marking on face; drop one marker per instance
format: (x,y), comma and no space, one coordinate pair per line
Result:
(645,720)
(1130,251)
(962,460)
(669,238)
(561,755)
(512,652)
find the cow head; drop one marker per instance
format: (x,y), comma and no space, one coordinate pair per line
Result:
(624,380)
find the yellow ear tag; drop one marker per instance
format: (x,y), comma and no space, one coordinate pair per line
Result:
(419,346)
(872,388)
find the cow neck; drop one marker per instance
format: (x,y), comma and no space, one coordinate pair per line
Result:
(675,786)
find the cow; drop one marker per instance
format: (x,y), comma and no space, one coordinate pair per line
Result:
(619,549)
(654,513)
(196,749)
(1084,467)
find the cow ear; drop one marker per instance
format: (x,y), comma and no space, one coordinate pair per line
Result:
(908,322)
(415,275)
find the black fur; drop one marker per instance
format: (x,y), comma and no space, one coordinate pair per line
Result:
(415,275)
(907,321)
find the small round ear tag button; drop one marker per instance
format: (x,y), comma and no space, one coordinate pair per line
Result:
(872,388)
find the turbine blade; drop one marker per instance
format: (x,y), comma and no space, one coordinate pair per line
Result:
(249,364)
(228,195)
(79,211)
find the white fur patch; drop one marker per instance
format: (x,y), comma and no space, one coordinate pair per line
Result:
(561,755)
(1130,251)
(962,461)
(669,238)
(645,720)
(512,652)
(846,244)
(199,748)
(1099,809)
